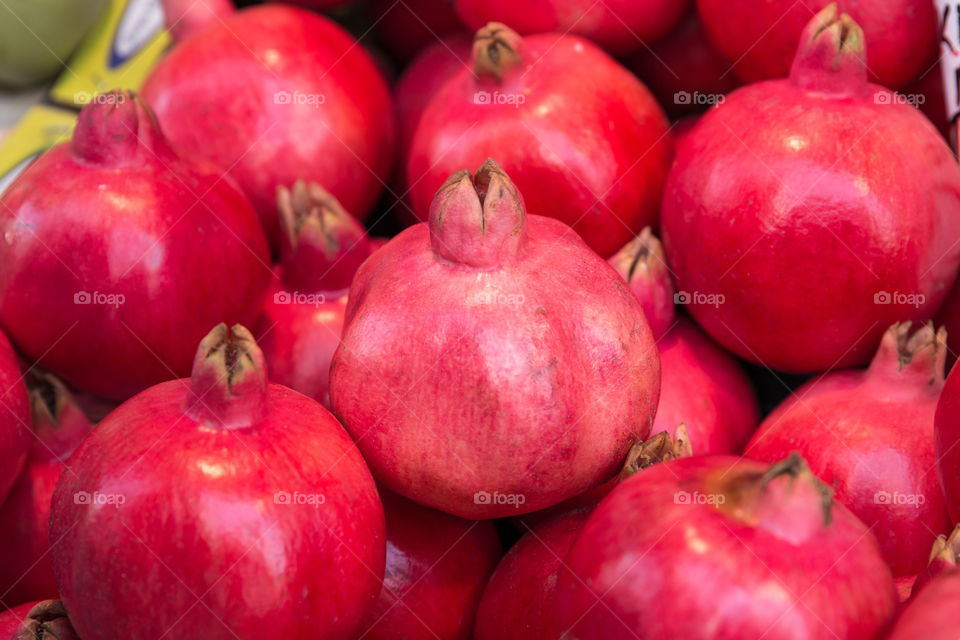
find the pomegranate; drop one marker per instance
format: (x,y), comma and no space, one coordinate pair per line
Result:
(46,620)
(584,140)
(932,615)
(437,567)
(299,329)
(200,494)
(515,395)
(518,601)
(685,73)
(187,17)
(683,128)
(111,242)
(926,93)
(762,36)
(947,443)
(904,587)
(620,26)
(817,178)
(869,435)
(273,94)
(943,558)
(642,264)
(404,28)
(720,547)
(59,425)
(15,439)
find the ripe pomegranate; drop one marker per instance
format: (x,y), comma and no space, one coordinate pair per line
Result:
(683,71)
(15,439)
(406,28)
(184,18)
(584,140)
(437,567)
(619,26)
(869,435)
(761,36)
(59,425)
(720,547)
(926,93)
(514,395)
(111,242)
(932,615)
(322,246)
(46,620)
(817,178)
(642,264)
(200,494)
(273,94)
(947,443)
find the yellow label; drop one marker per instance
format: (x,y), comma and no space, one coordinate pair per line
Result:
(41,128)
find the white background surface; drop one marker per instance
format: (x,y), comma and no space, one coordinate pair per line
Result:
(13,105)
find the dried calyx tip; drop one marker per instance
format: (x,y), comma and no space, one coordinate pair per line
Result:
(495,50)
(795,467)
(659,447)
(47,620)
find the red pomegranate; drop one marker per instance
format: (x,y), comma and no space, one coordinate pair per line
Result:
(817,178)
(926,93)
(273,94)
(947,443)
(933,614)
(721,547)
(437,567)
(407,28)
(322,247)
(46,620)
(761,36)
(200,494)
(642,264)
(113,247)
(187,17)
(584,140)
(869,435)
(619,26)
(470,378)
(518,601)
(683,71)
(15,438)
(59,425)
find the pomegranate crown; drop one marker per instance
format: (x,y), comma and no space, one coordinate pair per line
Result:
(660,447)
(642,263)
(830,56)
(118,129)
(46,620)
(59,423)
(496,50)
(921,355)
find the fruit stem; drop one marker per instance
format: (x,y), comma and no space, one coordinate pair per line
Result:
(831,54)
(496,50)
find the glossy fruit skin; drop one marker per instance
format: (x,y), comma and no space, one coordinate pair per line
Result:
(407,29)
(115,212)
(869,435)
(11,619)
(932,615)
(201,517)
(946,436)
(619,26)
(588,145)
(15,438)
(437,567)
(242,94)
(669,568)
(518,601)
(496,398)
(763,35)
(758,255)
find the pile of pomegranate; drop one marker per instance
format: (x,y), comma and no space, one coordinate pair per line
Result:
(488,320)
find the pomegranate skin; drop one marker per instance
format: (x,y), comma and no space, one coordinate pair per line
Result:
(869,435)
(946,438)
(494,410)
(933,614)
(619,26)
(770,197)
(437,567)
(15,439)
(243,94)
(41,620)
(224,488)
(406,28)
(761,36)
(518,601)
(776,561)
(588,145)
(116,212)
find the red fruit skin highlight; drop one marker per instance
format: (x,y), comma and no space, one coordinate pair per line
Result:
(15,438)
(275,94)
(111,242)
(437,567)
(775,558)
(780,189)
(210,510)
(761,37)
(583,139)
(868,434)
(932,615)
(517,389)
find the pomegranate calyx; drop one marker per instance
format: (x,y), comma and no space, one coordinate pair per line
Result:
(830,58)
(922,354)
(796,468)
(59,423)
(643,264)
(228,386)
(496,50)
(118,129)
(480,221)
(659,447)
(47,620)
